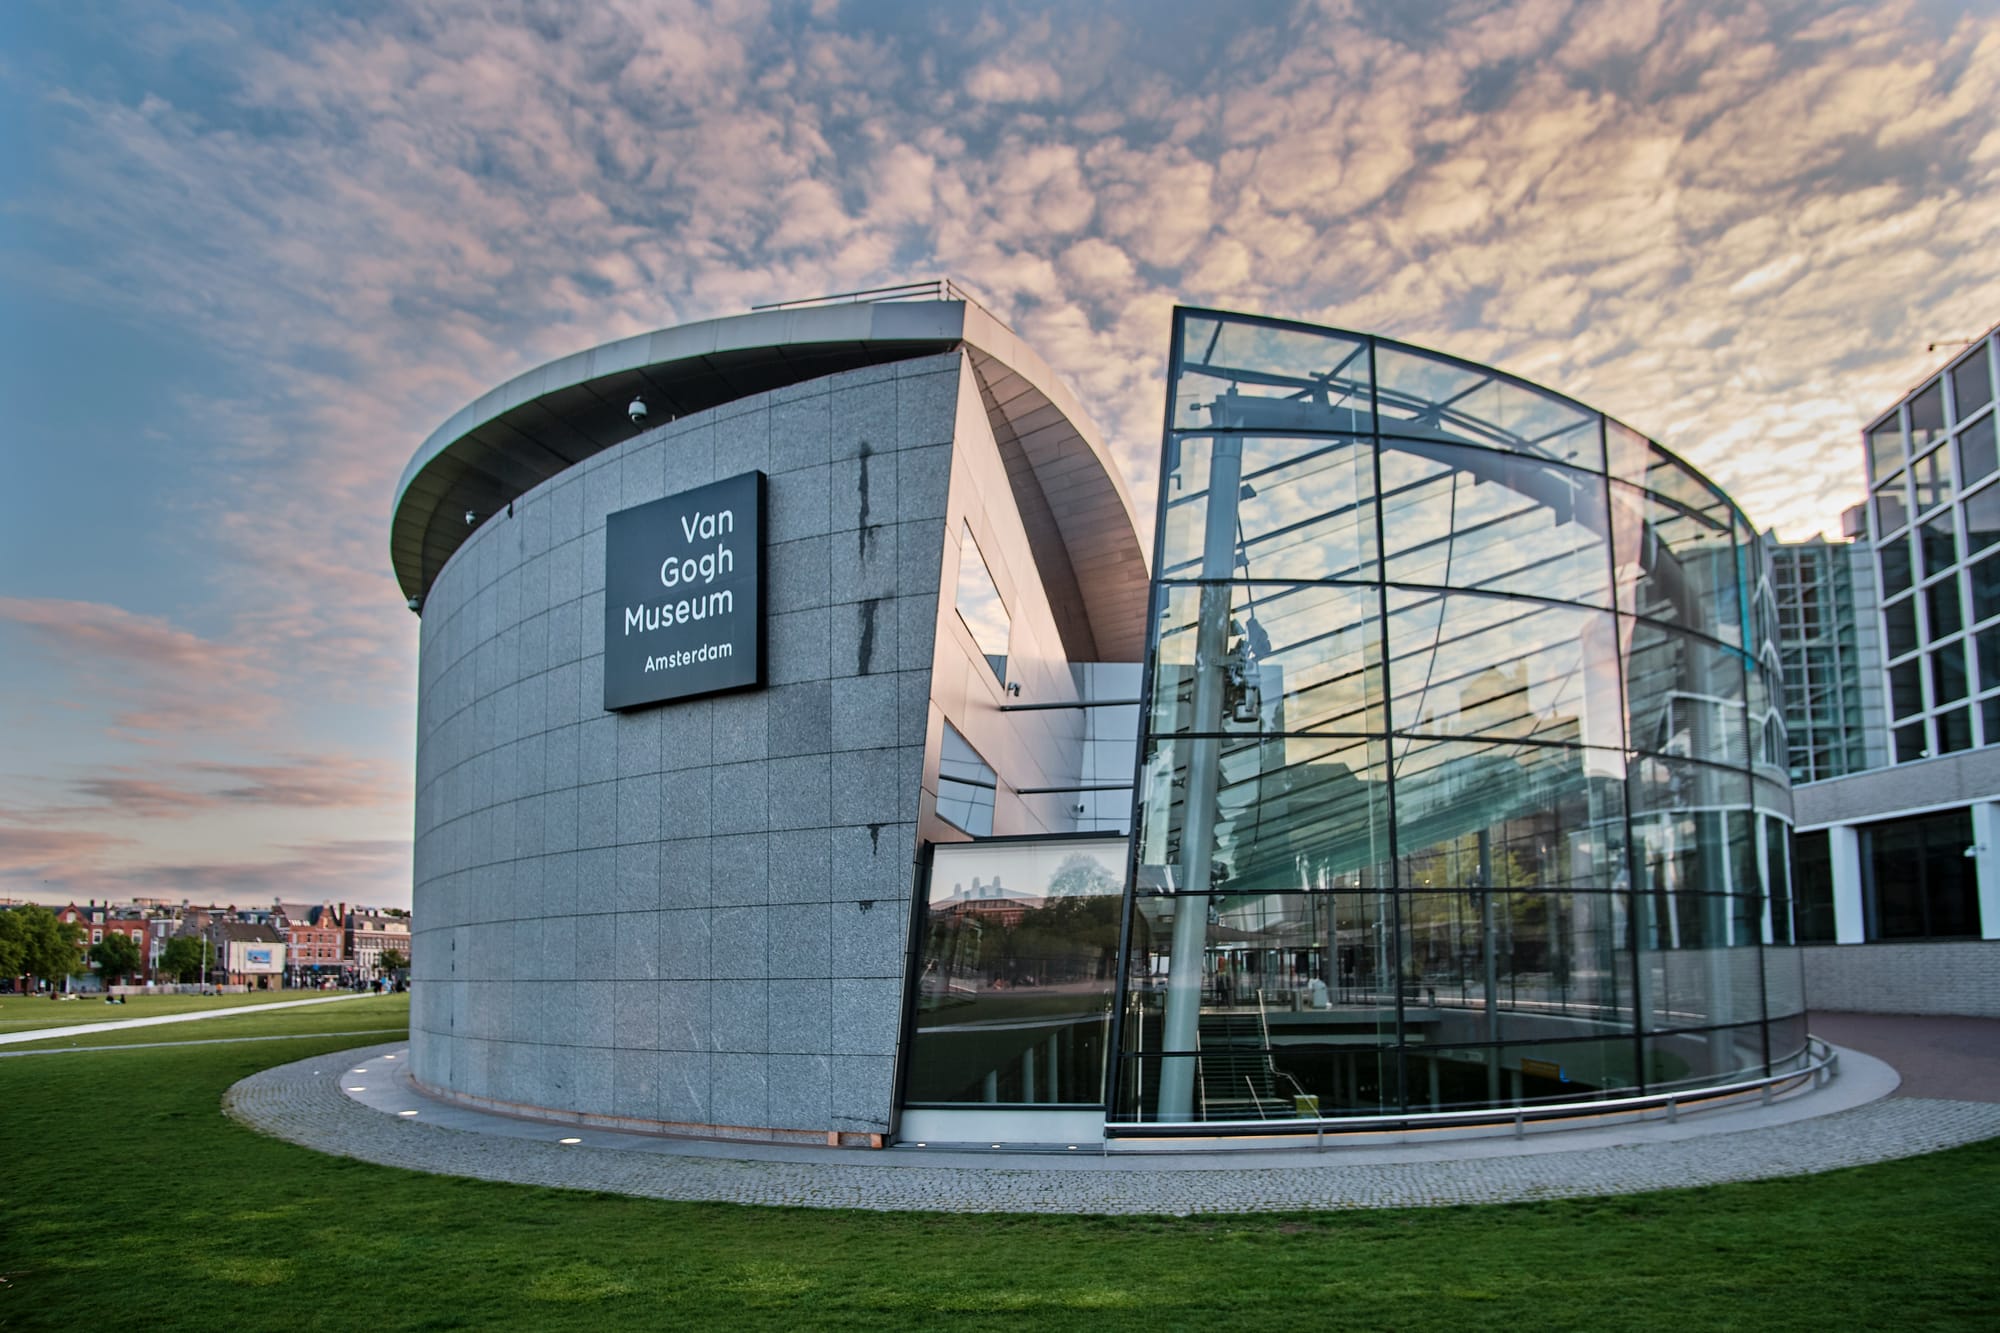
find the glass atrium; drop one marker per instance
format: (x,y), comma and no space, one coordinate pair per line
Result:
(1462,778)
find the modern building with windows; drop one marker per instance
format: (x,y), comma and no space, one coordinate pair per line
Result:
(1829,648)
(808,747)
(1899,865)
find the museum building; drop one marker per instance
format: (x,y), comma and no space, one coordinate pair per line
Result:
(811,746)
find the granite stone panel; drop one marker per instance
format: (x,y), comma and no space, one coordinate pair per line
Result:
(800,721)
(801,865)
(801,941)
(684,1087)
(863,712)
(684,945)
(738,1016)
(638,884)
(638,950)
(597,815)
(741,727)
(863,563)
(635,1014)
(593,1080)
(868,792)
(800,794)
(741,875)
(684,1015)
(862,416)
(801,1091)
(739,948)
(800,433)
(863,637)
(863,1089)
(635,1081)
(872,942)
(796,502)
(801,1016)
(797,575)
(685,798)
(740,797)
(639,807)
(739,1090)
(685,873)
(797,646)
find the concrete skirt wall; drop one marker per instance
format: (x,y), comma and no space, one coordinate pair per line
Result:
(694,914)
(1916,977)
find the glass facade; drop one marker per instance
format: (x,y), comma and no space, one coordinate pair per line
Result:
(1934,515)
(1463,776)
(1834,713)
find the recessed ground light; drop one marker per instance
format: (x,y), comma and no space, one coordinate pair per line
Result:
(388,1057)
(923,1145)
(569,1140)
(406,1113)
(358,1088)
(1072,1147)
(996,1145)
(362,1070)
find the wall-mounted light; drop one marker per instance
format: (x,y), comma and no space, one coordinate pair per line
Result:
(865,904)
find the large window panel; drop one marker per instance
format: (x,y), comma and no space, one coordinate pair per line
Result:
(1239,374)
(1477,519)
(966,785)
(979,605)
(1971,383)
(1676,557)
(1917,882)
(1688,696)
(1885,446)
(1019,950)
(1289,813)
(1302,657)
(1513,964)
(1462,664)
(1304,508)
(1545,816)
(1424,395)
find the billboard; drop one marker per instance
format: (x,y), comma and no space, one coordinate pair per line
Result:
(684,595)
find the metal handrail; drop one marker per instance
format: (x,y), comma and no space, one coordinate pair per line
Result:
(931,289)
(1823,1065)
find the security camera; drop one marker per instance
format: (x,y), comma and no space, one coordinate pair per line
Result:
(416,604)
(470,518)
(637,410)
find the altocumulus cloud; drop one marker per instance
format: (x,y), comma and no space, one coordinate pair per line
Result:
(1735,230)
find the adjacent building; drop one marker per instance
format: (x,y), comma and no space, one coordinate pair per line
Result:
(1899,865)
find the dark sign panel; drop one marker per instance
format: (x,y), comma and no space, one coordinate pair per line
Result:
(684,594)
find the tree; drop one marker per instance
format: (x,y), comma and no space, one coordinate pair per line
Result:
(392,960)
(115,956)
(186,957)
(38,944)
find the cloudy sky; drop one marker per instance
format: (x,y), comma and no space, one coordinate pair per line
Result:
(250,255)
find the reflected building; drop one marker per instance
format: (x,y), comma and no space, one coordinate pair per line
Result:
(1432,760)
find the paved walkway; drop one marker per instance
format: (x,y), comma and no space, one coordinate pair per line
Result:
(364,1106)
(1958,1058)
(79,1029)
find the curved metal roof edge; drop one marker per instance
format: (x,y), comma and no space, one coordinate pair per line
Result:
(729,333)
(1442,355)
(964,323)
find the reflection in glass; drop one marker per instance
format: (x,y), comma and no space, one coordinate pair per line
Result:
(1885,447)
(1019,949)
(1248,375)
(1473,518)
(1303,508)
(1463,664)
(1976,454)
(1971,384)
(1927,417)
(979,605)
(1463,813)
(966,786)
(1428,396)
(1302,657)
(1676,560)
(1982,518)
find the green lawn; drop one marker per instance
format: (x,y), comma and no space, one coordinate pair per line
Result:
(127,1200)
(19,1013)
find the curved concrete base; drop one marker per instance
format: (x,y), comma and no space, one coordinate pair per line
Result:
(362,1104)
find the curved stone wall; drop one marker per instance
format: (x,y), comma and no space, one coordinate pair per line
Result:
(693,915)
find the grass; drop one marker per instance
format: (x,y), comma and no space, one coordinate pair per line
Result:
(21,1013)
(126,1199)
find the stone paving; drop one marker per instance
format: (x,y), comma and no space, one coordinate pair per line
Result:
(305,1103)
